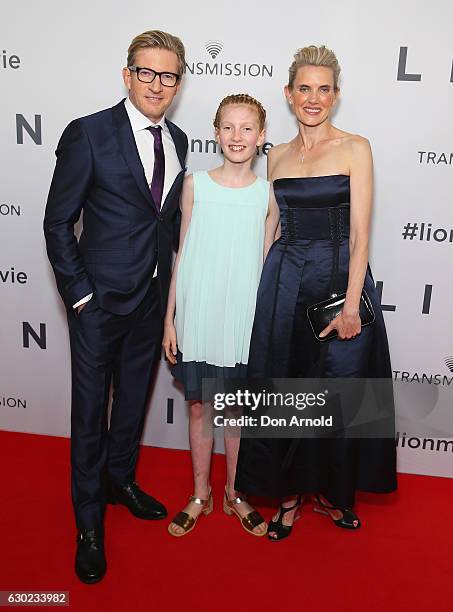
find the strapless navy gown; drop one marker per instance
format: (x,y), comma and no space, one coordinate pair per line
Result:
(296,274)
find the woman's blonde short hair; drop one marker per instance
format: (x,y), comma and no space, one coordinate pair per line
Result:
(315,56)
(162,40)
(241,99)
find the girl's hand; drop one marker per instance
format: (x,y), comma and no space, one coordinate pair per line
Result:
(169,342)
(347,325)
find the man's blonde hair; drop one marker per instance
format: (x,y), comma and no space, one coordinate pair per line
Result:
(162,40)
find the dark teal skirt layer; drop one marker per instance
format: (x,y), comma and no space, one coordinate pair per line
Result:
(191,373)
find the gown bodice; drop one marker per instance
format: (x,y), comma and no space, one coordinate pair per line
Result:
(313,207)
(312,191)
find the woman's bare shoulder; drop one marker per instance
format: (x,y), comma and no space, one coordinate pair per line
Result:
(353,148)
(278,150)
(352,140)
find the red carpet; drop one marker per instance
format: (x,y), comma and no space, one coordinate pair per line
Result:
(401,559)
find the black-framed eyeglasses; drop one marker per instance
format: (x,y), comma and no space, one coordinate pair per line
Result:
(147,75)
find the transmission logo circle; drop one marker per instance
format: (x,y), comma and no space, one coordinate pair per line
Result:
(213,47)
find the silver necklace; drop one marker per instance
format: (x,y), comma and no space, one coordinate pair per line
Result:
(302,153)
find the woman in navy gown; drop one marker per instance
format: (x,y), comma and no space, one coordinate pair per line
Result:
(323,184)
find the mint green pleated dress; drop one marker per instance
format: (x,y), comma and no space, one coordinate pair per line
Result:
(217,282)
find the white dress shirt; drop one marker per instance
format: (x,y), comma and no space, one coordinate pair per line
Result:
(144,140)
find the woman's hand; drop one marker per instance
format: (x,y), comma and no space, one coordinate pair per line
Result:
(347,325)
(169,342)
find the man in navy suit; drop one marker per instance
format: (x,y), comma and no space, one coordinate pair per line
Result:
(124,168)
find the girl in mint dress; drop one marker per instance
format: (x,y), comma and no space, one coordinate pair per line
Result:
(229,220)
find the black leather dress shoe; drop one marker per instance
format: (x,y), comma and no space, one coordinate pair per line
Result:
(90,564)
(139,503)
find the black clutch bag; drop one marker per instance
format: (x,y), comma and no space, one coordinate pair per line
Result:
(322,313)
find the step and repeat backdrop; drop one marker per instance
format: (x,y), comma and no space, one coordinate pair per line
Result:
(60,60)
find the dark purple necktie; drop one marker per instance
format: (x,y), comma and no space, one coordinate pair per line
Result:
(157,184)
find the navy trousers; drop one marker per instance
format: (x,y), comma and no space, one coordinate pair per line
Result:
(109,350)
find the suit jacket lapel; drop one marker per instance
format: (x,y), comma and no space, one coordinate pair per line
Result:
(179,141)
(129,150)
(181,152)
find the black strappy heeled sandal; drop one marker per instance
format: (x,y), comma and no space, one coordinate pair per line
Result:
(349,520)
(283,531)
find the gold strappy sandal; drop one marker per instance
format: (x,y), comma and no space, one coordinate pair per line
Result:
(250,521)
(186,521)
